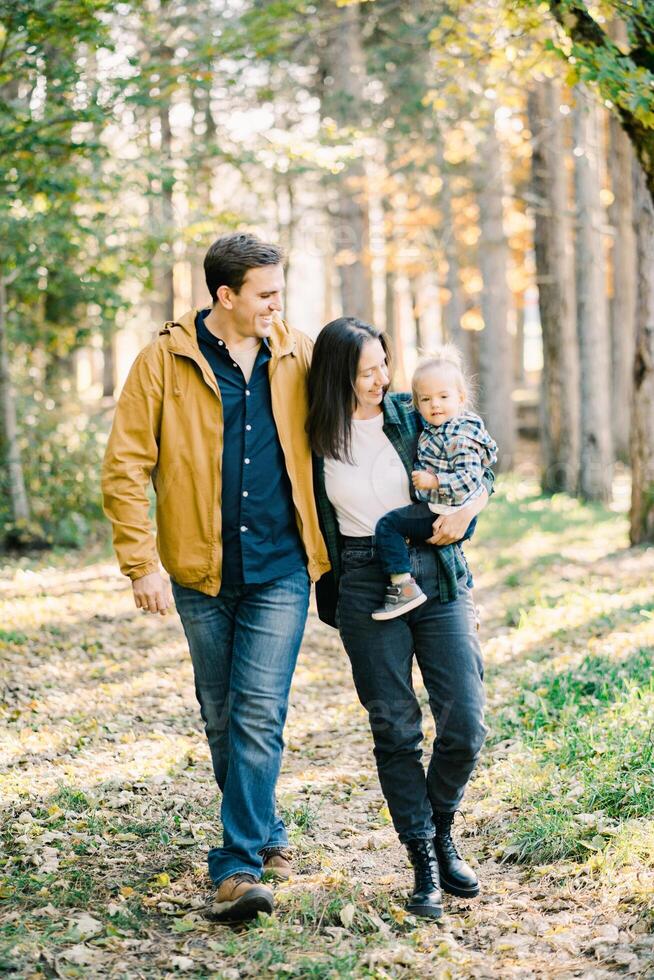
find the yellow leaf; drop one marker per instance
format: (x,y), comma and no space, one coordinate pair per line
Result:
(384,814)
(126,891)
(399,914)
(162,880)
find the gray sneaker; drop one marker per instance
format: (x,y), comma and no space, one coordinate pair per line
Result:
(399,599)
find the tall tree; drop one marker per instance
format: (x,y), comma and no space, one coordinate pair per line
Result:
(342,101)
(623,299)
(555,279)
(19,502)
(642,438)
(495,354)
(596,458)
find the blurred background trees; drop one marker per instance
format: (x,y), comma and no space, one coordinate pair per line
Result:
(480,172)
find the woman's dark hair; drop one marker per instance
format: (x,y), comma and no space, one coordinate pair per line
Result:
(332,376)
(232,256)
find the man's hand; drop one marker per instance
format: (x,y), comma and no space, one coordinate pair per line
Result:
(152,593)
(449,528)
(422,480)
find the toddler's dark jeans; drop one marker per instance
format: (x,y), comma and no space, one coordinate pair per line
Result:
(391,531)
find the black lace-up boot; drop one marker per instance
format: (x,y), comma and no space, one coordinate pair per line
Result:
(426,898)
(457,877)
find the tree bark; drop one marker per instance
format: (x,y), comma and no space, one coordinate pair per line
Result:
(164,276)
(108,364)
(20,508)
(555,279)
(453,310)
(623,301)
(642,431)
(495,354)
(343,62)
(596,458)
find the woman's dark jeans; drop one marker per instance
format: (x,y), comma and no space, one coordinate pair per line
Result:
(443,637)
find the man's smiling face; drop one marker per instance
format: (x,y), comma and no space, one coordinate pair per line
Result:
(258,299)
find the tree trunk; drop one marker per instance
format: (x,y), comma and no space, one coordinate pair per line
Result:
(623,301)
(164,277)
(642,429)
(519,345)
(20,508)
(454,308)
(555,278)
(596,458)
(108,364)
(495,354)
(343,101)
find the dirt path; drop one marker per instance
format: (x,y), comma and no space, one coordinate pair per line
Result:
(108,809)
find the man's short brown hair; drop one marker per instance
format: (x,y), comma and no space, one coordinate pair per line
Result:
(229,258)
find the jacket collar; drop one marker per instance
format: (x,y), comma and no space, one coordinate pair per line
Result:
(391,414)
(184,340)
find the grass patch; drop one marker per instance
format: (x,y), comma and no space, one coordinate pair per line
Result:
(589,764)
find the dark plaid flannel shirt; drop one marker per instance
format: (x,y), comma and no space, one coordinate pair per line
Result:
(457,452)
(402,426)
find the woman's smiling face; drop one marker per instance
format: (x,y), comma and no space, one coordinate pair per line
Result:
(372,377)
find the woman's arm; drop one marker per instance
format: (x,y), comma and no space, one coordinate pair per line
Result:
(449,528)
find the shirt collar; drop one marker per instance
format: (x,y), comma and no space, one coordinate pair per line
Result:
(205,335)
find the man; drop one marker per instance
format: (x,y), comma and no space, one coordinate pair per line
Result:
(214,412)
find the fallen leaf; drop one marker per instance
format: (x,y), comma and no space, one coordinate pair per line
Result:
(183,963)
(346,915)
(85,926)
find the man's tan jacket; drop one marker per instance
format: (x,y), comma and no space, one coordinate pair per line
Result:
(168,427)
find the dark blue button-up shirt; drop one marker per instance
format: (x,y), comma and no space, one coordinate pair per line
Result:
(261,541)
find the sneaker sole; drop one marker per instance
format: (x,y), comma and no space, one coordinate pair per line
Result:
(458,890)
(247,907)
(426,911)
(404,608)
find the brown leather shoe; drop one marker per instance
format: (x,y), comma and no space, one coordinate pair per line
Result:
(239,898)
(277,863)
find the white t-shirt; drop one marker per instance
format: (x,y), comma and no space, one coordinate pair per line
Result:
(373,484)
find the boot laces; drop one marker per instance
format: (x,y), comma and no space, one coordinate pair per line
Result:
(425,867)
(244,876)
(443,824)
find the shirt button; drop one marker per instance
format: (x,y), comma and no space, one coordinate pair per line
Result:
(247,391)
(221,343)
(234,364)
(248,428)
(246,460)
(245,493)
(243,527)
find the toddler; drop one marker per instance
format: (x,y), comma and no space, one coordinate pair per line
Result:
(454,448)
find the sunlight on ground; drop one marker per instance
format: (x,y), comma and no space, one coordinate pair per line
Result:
(109,803)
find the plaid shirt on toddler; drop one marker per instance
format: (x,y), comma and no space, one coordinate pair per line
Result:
(457,452)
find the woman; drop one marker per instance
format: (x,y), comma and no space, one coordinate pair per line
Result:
(364,441)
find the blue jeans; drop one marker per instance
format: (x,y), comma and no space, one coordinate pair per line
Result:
(244,644)
(443,639)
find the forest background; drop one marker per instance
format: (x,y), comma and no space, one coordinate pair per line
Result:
(480,171)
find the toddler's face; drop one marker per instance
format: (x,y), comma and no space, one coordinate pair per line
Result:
(439,396)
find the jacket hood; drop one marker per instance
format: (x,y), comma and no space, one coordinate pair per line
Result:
(281,339)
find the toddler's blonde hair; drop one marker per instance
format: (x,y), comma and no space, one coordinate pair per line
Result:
(447,355)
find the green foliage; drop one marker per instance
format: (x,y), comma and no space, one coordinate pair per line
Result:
(624,77)
(590,759)
(62,453)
